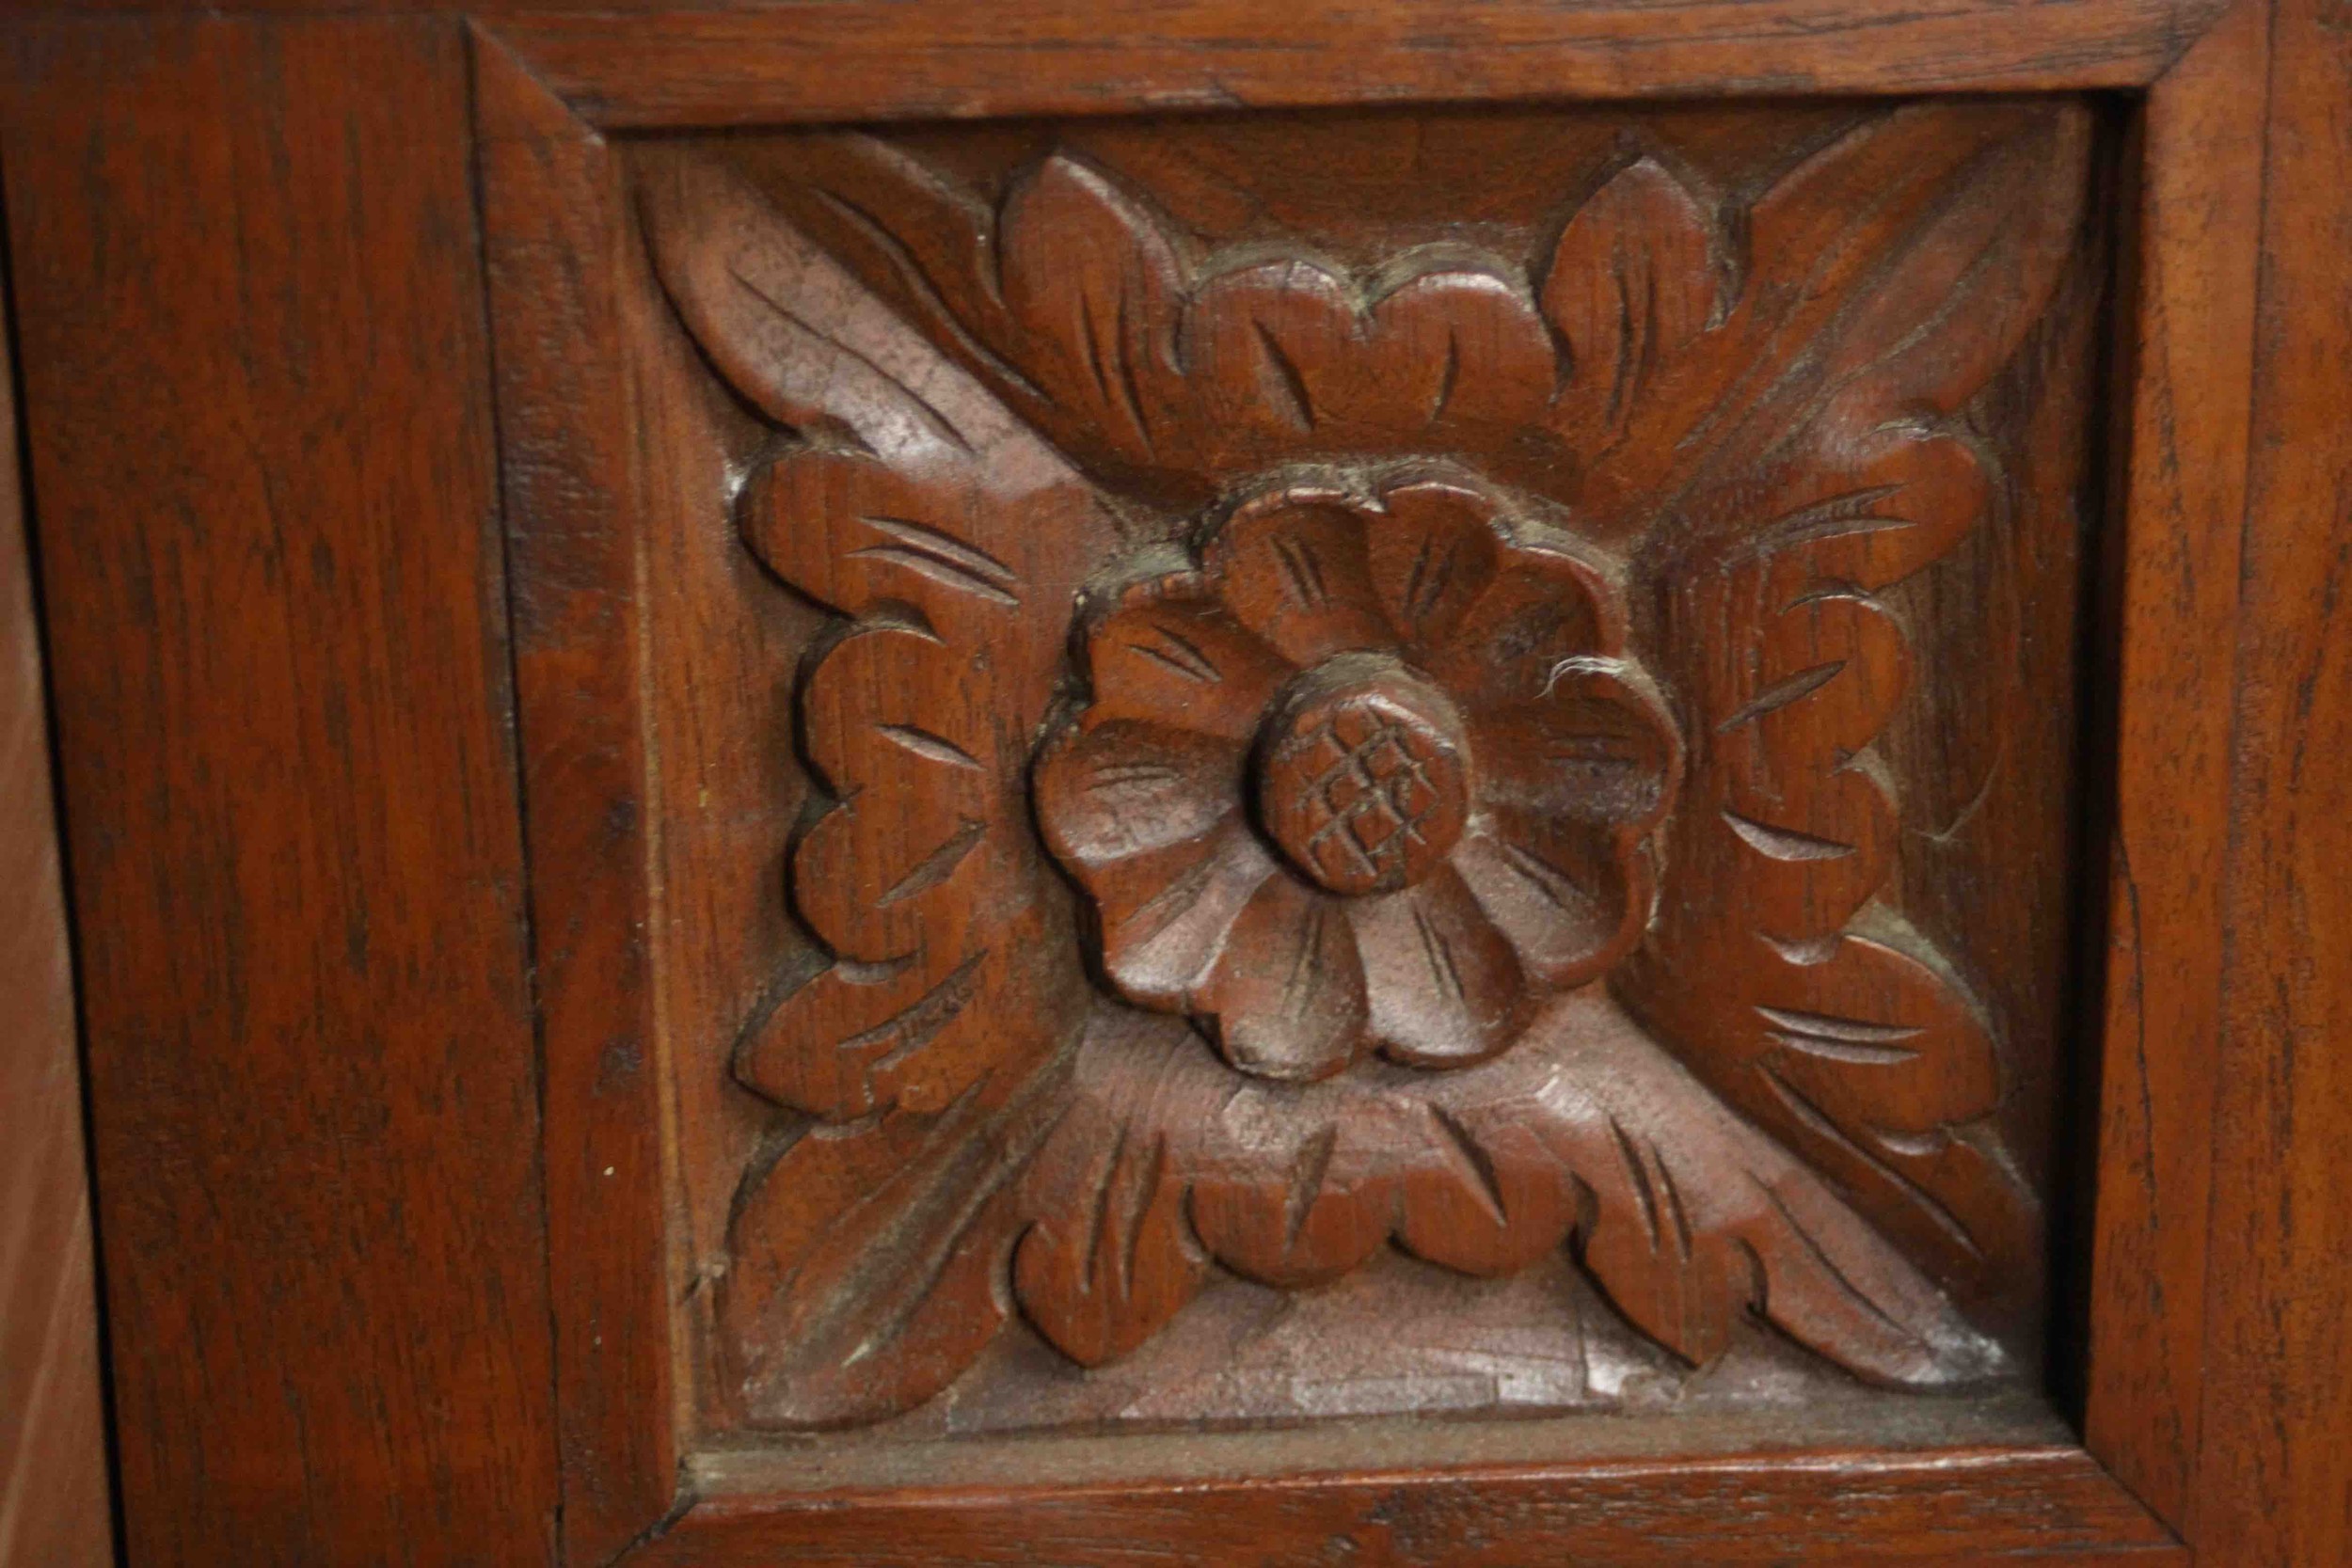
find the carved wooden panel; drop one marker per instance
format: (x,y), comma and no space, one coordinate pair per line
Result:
(1371,762)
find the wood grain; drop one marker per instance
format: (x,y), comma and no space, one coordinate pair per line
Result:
(2185,362)
(254,357)
(1131,490)
(254,363)
(2274,1479)
(1934,1508)
(840,60)
(558,263)
(55,1497)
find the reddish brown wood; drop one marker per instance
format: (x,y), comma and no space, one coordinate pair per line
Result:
(1935,1509)
(841,60)
(55,1506)
(2185,362)
(309,645)
(557,262)
(1397,736)
(2274,1475)
(254,369)
(1455,481)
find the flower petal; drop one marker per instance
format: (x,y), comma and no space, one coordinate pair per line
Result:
(1291,566)
(1108,791)
(1165,916)
(1563,893)
(1168,653)
(1598,748)
(1443,986)
(1431,558)
(1287,995)
(1544,608)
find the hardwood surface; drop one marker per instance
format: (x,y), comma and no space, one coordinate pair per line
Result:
(54,1501)
(2274,1478)
(252,330)
(1945,1508)
(1591,499)
(374,1265)
(2184,390)
(841,59)
(559,265)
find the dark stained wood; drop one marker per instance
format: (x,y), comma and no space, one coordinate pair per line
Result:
(254,365)
(2274,1476)
(1933,1509)
(841,59)
(2185,363)
(557,261)
(55,1506)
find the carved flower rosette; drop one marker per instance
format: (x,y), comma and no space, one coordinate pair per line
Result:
(1323,759)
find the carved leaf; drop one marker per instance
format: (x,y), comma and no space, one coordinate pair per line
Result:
(1861,1052)
(1585,1133)
(1632,285)
(915,502)
(1089,285)
(1925,241)
(1171,372)
(1287,359)
(1110,1258)
(867,1256)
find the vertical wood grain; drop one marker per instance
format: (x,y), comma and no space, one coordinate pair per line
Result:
(54,1503)
(559,266)
(2275,1483)
(256,386)
(2185,355)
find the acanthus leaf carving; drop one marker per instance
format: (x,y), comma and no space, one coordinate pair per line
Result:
(869,1256)
(1859,487)
(912,502)
(1586,1134)
(1470,809)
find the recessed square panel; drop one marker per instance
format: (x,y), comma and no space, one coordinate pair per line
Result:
(1360,763)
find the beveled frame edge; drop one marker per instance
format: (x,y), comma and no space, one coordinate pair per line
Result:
(1847,1505)
(546,89)
(844,60)
(2183,400)
(567,472)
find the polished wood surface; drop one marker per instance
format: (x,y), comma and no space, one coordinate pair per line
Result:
(558,263)
(844,60)
(404,1267)
(1473,647)
(251,332)
(55,1503)
(2185,389)
(1947,1506)
(2274,1475)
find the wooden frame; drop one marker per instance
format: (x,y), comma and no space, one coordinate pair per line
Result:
(370,1298)
(550,88)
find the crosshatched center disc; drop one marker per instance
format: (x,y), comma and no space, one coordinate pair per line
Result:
(1362,778)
